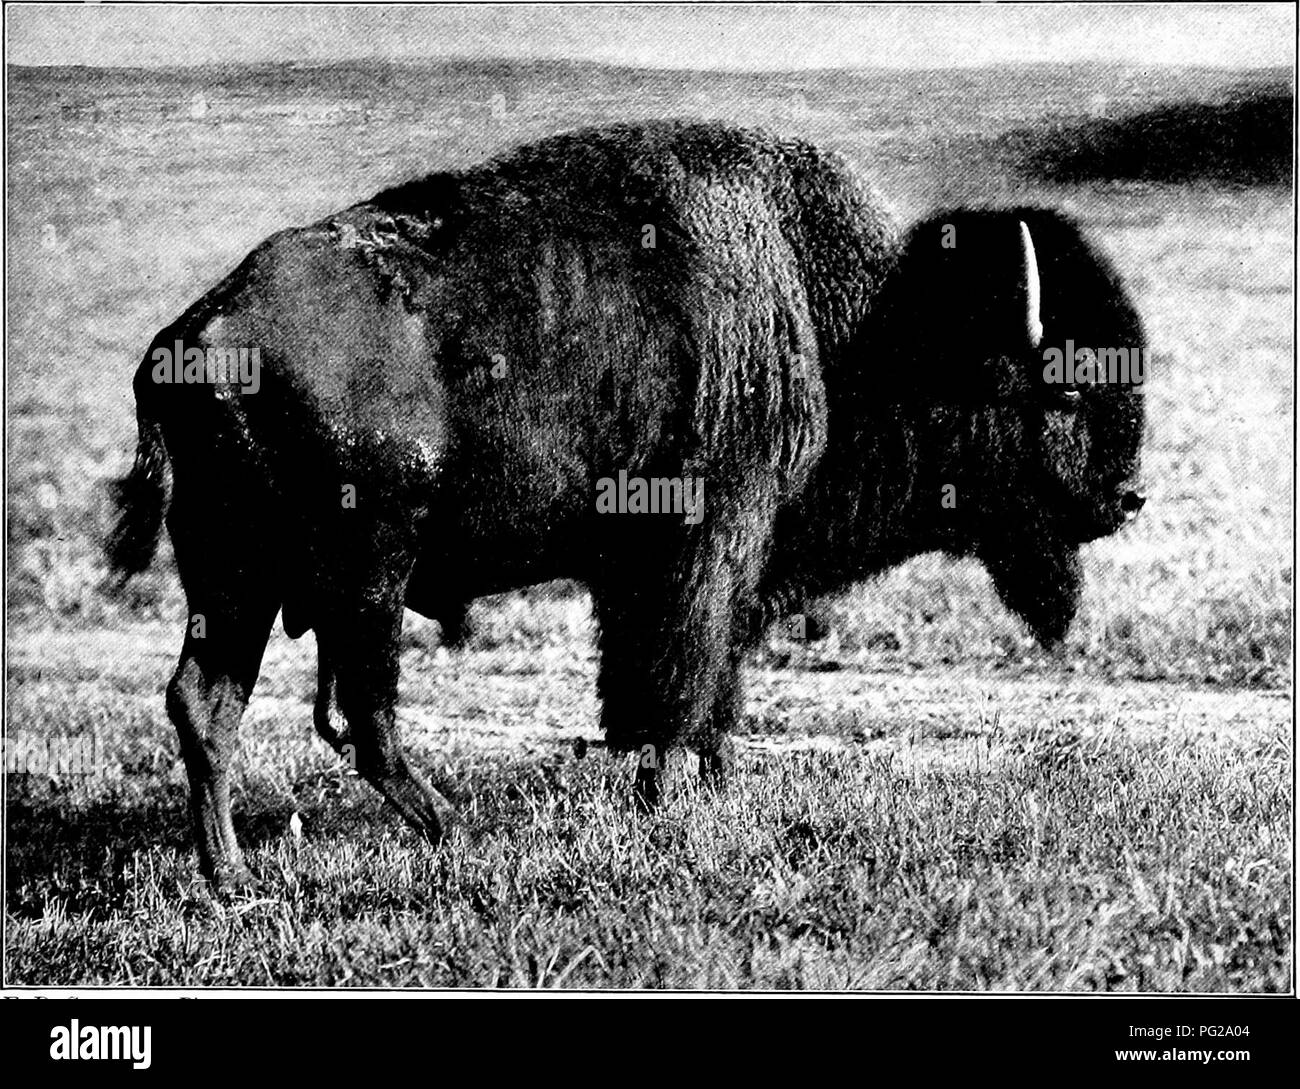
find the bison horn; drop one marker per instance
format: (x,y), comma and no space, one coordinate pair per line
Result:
(1033,290)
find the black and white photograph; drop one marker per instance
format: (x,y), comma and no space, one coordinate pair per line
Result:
(696,498)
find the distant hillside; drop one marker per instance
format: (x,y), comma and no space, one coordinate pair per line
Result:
(940,135)
(1246,140)
(984,101)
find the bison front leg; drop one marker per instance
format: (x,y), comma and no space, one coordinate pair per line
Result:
(717,747)
(669,651)
(649,693)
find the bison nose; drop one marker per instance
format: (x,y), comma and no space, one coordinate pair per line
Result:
(1131,502)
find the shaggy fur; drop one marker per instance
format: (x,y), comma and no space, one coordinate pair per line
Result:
(471,353)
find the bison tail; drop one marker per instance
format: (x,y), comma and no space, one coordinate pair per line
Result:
(140,499)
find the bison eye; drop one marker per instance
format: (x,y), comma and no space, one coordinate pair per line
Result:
(1063,398)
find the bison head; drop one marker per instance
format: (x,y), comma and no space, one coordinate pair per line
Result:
(1026,366)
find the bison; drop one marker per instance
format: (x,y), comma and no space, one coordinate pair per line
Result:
(451,374)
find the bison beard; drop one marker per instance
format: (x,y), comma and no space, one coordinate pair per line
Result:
(1040,579)
(469,354)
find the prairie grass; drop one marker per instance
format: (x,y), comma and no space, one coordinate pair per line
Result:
(1041,862)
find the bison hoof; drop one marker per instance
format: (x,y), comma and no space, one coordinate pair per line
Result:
(447,821)
(232,881)
(434,822)
(647,788)
(438,819)
(717,762)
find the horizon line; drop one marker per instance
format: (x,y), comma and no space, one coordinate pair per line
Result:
(412,62)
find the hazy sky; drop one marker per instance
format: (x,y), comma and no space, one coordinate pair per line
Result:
(669,35)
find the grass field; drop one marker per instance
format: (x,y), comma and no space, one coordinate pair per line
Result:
(924,800)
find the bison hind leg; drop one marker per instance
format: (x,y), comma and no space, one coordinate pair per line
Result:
(232,606)
(358,628)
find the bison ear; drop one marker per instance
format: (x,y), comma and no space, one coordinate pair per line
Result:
(1032,291)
